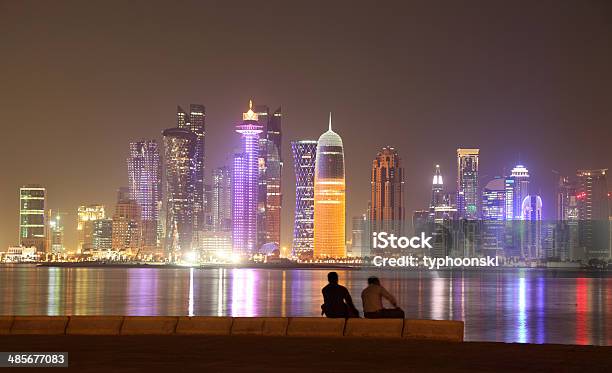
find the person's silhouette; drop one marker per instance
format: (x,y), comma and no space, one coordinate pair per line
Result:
(337,301)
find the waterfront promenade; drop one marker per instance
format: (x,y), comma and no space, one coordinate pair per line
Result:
(174,353)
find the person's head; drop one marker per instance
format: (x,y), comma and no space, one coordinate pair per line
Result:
(373,281)
(332,277)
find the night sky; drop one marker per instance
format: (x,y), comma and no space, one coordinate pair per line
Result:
(524,81)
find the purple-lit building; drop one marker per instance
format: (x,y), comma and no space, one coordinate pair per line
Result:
(245,185)
(144,174)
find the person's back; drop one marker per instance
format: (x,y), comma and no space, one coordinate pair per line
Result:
(337,301)
(372,298)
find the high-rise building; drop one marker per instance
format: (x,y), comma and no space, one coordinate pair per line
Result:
(304,157)
(387,211)
(360,237)
(567,221)
(86,216)
(517,188)
(127,225)
(532,237)
(329,197)
(144,177)
(593,213)
(102,236)
(195,121)
(245,185)
(493,215)
(221,208)
(55,232)
(438,197)
(32,200)
(269,201)
(494,200)
(179,151)
(467,183)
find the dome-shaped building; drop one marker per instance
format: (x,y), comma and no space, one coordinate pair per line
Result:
(329,197)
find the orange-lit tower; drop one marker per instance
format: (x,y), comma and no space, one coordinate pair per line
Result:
(329,197)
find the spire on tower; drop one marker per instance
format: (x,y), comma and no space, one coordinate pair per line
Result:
(330,127)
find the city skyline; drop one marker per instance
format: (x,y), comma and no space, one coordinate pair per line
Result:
(515,100)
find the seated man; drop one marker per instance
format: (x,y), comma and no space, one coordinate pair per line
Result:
(373,305)
(337,301)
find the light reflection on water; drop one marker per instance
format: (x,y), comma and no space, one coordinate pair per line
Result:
(511,305)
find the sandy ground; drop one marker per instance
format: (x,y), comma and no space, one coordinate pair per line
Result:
(290,354)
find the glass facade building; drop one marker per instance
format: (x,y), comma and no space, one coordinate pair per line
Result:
(245,179)
(179,150)
(304,158)
(144,178)
(467,183)
(32,227)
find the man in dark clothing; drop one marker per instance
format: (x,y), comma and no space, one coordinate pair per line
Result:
(337,301)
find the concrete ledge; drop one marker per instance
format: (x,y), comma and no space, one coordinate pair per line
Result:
(204,325)
(268,326)
(315,327)
(384,328)
(247,326)
(275,326)
(138,325)
(94,325)
(443,330)
(5,324)
(42,325)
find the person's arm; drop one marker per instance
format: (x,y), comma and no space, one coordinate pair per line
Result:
(388,296)
(349,300)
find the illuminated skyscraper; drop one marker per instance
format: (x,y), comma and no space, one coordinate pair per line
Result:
(517,188)
(195,122)
(493,215)
(86,216)
(467,183)
(593,213)
(494,200)
(269,201)
(329,197)
(438,198)
(531,246)
(179,150)
(144,177)
(32,200)
(222,199)
(55,232)
(304,157)
(245,181)
(387,211)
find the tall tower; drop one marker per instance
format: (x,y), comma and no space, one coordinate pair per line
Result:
(531,210)
(32,200)
(245,180)
(179,150)
(387,211)
(127,225)
(437,190)
(517,188)
(329,197)
(144,177)
(269,201)
(195,121)
(467,183)
(222,199)
(593,213)
(304,157)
